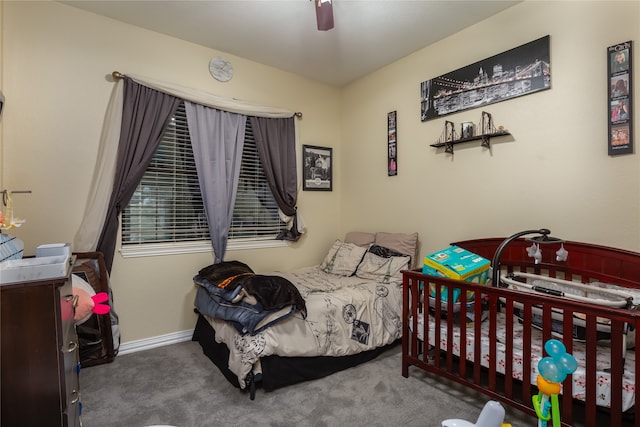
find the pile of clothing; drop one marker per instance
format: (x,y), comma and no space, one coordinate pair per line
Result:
(251,302)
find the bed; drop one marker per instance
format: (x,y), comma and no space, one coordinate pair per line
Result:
(492,338)
(314,321)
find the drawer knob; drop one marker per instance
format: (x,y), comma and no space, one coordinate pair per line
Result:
(71,347)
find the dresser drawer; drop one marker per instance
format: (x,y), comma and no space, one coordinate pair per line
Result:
(69,347)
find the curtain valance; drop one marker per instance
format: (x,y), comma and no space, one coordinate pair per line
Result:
(207,99)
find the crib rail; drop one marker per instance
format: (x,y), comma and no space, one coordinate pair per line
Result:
(588,262)
(444,342)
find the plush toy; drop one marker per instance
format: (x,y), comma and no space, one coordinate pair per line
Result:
(88,301)
(562,253)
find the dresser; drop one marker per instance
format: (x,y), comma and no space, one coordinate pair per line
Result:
(39,354)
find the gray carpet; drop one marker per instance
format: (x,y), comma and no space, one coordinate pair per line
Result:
(178,385)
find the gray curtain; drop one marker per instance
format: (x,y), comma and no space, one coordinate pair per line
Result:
(145,113)
(276,143)
(217,139)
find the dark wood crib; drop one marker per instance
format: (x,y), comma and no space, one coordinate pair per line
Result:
(492,339)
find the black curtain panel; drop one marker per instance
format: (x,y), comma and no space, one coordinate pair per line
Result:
(145,113)
(276,143)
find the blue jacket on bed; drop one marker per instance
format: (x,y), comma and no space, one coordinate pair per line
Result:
(214,301)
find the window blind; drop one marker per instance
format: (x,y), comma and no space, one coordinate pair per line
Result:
(167,206)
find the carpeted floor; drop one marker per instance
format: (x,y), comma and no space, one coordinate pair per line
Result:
(178,385)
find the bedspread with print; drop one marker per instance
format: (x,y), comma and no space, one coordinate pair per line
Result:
(345,315)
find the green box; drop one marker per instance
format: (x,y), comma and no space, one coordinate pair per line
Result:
(456,263)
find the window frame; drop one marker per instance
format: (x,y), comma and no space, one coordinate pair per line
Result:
(202,246)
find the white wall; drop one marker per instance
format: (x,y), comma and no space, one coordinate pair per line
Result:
(553,172)
(57,62)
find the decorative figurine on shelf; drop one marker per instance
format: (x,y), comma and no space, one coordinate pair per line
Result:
(552,371)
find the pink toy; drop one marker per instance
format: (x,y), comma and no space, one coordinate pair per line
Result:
(87,300)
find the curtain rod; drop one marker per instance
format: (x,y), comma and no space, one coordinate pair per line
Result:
(117,75)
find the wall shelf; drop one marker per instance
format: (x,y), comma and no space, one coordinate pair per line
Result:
(485,139)
(448,138)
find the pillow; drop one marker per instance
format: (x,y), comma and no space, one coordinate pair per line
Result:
(404,243)
(384,252)
(360,238)
(343,258)
(382,268)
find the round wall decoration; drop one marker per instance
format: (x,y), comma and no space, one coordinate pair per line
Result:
(221,69)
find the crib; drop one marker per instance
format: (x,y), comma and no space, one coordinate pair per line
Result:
(492,338)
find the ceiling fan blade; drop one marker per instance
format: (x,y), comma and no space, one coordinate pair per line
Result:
(324,14)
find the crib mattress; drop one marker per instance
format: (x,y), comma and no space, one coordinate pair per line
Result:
(603,386)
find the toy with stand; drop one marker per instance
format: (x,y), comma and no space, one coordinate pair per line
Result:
(552,372)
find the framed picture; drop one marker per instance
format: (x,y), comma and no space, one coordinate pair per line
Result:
(467,130)
(317,168)
(620,98)
(517,72)
(392,144)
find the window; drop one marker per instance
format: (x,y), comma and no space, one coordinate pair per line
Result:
(167,206)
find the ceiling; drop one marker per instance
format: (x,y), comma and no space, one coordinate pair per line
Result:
(283,33)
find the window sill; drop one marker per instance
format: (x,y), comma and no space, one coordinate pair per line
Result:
(159,249)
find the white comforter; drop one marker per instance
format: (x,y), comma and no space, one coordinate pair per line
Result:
(345,315)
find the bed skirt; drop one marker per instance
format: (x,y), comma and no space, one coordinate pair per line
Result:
(279,371)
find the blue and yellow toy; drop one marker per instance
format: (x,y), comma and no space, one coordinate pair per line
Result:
(552,371)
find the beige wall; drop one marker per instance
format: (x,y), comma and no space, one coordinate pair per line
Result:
(56,63)
(1,62)
(552,172)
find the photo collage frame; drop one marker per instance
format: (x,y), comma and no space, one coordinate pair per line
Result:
(620,94)
(392,143)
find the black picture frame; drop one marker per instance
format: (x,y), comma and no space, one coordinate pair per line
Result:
(317,168)
(520,71)
(392,143)
(620,98)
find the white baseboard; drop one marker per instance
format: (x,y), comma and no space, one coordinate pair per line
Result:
(153,342)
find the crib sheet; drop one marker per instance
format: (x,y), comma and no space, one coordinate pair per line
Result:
(603,386)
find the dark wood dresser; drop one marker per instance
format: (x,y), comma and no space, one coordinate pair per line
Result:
(39,354)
